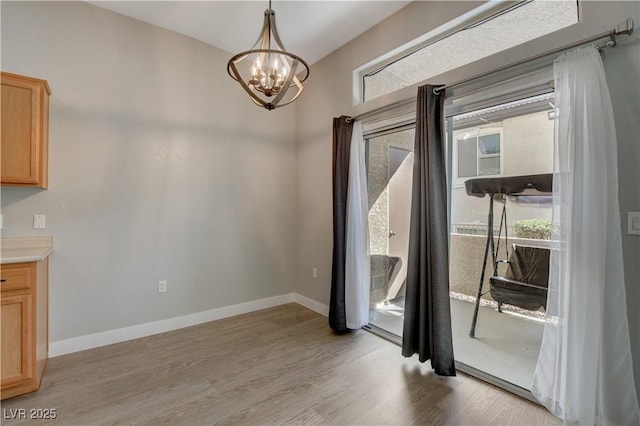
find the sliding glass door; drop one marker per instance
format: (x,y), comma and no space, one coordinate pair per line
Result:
(498,144)
(498,141)
(389,176)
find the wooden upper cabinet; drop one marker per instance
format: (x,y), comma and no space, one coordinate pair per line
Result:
(25,131)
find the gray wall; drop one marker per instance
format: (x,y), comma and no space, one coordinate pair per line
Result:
(329,94)
(622,66)
(160,168)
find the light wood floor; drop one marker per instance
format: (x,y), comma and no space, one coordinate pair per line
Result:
(276,366)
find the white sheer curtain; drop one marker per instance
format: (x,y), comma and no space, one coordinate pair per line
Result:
(584,373)
(357,270)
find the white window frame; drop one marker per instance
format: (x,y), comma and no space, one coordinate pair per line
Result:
(473,17)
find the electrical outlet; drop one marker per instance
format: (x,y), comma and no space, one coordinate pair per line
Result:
(162,286)
(314,271)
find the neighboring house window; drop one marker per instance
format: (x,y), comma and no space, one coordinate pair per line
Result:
(479,154)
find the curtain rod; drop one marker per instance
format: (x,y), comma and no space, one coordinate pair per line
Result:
(627,30)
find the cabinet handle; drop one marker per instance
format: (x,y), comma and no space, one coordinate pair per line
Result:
(2,280)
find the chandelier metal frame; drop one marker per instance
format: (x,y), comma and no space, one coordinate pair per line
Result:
(274,70)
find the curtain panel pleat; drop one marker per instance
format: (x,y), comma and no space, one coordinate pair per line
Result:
(342,132)
(427,316)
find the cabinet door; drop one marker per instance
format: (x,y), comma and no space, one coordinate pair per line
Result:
(16,339)
(24,132)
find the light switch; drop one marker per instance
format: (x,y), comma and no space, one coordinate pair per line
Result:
(633,223)
(39,221)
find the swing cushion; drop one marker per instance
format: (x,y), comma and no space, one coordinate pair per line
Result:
(512,185)
(526,279)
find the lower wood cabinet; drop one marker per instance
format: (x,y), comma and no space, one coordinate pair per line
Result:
(24,327)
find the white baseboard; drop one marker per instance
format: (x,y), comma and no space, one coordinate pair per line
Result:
(90,341)
(311,304)
(109,337)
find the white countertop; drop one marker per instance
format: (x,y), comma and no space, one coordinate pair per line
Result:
(30,249)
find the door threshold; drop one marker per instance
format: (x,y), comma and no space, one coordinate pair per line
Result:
(393,338)
(496,381)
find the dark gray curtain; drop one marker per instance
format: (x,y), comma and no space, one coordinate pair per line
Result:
(342,129)
(427,315)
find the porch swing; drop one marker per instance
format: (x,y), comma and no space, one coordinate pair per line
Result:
(524,283)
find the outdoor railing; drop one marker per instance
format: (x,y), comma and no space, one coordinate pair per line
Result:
(476,229)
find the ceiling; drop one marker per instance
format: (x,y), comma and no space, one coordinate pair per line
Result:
(309,29)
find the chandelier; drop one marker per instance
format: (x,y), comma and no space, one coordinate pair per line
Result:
(270,75)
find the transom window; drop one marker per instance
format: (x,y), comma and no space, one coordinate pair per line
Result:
(483,33)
